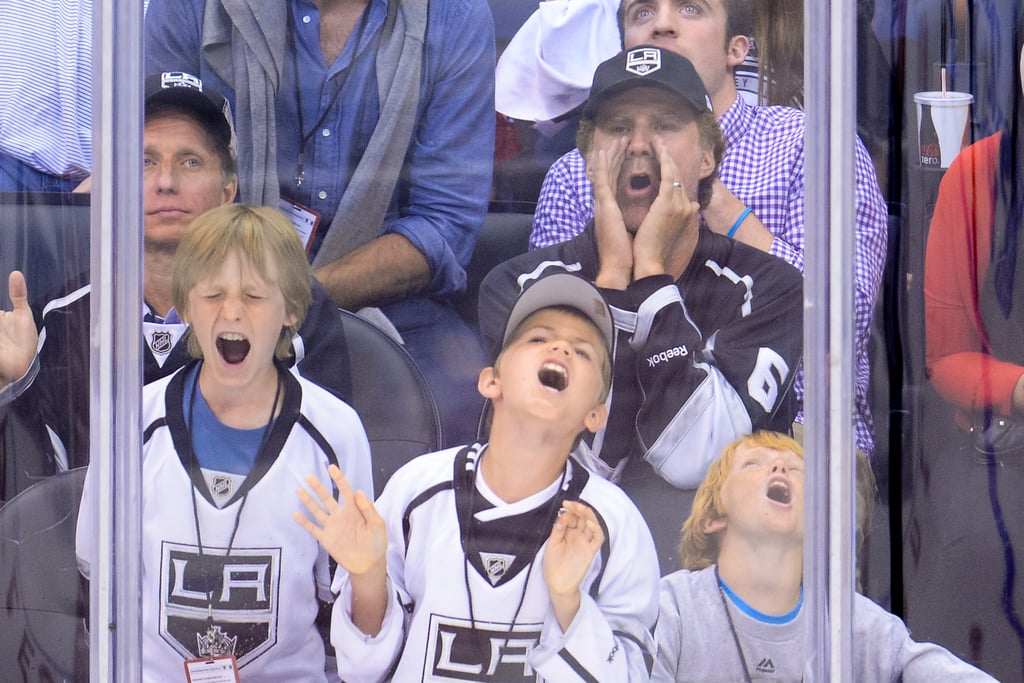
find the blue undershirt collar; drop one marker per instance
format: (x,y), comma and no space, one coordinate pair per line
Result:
(758,615)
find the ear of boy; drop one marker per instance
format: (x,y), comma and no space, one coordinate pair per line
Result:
(713,526)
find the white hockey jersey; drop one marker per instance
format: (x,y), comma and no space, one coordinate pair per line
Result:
(469,600)
(258,600)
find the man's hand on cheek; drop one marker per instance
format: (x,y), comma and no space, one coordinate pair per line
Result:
(663,235)
(614,243)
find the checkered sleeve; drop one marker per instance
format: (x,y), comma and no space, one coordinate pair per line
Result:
(566,203)
(869,262)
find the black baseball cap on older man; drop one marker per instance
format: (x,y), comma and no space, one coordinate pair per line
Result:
(651,67)
(186,92)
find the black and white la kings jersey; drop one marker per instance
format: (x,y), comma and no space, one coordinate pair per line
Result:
(469,601)
(254,585)
(697,362)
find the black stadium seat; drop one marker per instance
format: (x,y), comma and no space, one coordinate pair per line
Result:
(502,236)
(391,397)
(42,609)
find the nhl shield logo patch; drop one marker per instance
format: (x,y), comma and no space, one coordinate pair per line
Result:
(496,564)
(643,61)
(221,486)
(161,342)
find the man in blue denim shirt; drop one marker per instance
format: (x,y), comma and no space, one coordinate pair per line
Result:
(413,261)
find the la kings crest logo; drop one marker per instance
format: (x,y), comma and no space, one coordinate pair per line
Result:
(239,592)
(492,652)
(643,61)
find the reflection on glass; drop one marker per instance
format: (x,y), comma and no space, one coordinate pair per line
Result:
(953,571)
(963,586)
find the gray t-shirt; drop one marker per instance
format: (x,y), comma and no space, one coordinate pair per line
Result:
(695,641)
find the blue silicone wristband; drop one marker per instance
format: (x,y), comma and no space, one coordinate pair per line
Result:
(736,225)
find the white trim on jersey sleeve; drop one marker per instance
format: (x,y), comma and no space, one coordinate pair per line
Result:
(363,658)
(651,306)
(85,529)
(712,418)
(591,650)
(13,390)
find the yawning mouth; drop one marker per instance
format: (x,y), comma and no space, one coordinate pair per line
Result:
(779,492)
(233,347)
(553,376)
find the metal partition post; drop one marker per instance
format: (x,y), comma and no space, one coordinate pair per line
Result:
(116,365)
(829,82)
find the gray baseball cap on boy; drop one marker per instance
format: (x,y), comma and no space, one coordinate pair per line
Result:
(563,289)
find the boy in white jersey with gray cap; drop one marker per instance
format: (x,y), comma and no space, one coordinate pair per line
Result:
(505,560)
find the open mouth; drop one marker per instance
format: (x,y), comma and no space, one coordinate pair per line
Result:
(778,491)
(639,182)
(553,376)
(233,347)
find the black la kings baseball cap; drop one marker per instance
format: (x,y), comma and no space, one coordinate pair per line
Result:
(647,66)
(185,91)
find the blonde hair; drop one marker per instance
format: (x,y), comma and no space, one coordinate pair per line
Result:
(262,237)
(698,548)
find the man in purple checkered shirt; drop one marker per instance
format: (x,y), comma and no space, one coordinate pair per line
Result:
(762,170)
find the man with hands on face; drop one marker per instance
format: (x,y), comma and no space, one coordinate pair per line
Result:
(505,560)
(759,196)
(708,330)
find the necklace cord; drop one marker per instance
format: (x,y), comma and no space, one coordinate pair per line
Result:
(195,460)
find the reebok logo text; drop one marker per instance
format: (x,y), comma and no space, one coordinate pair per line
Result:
(664,356)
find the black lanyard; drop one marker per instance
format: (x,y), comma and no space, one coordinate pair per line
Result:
(305,136)
(554,504)
(207,579)
(732,626)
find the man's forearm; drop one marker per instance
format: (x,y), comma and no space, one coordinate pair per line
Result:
(725,208)
(386,270)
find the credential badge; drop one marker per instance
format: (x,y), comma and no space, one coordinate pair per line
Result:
(643,61)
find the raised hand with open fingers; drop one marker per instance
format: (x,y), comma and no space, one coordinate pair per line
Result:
(350,529)
(18,334)
(575,538)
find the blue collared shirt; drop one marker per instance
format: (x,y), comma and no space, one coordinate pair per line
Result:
(442,195)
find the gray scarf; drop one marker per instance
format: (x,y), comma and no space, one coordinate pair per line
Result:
(245,42)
